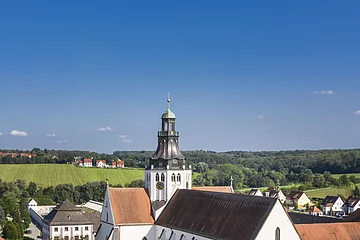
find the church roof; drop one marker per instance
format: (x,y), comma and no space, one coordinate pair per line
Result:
(329,231)
(130,205)
(216,215)
(223,189)
(168,114)
(66,214)
(300,218)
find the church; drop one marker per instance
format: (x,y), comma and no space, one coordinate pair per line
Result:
(169,208)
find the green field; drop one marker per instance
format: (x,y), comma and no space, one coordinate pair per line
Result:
(348,174)
(331,191)
(53,174)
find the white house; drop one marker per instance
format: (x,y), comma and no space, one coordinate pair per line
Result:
(300,198)
(275,193)
(100,163)
(87,162)
(351,204)
(255,192)
(32,203)
(315,211)
(67,222)
(332,205)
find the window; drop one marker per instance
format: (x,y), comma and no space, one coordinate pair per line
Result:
(144,238)
(86,228)
(66,229)
(66,238)
(86,237)
(56,238)
(76,228)
(56,229)
(107,216)
(157,177)
(277,234)
(163,177)
(173,177)
(178,178)
(76,237)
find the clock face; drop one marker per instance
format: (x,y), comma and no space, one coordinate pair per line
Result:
(160,185)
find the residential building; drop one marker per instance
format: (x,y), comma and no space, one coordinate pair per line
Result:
(300,198)
(67,222)
(313,210)
(168,208)
(351,204)
(255,192)
(329,231)
(80,163)
(332,205)
(87,162)
(118,164)
(275,192)
(100,163)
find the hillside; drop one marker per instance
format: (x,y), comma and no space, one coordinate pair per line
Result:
(53,174)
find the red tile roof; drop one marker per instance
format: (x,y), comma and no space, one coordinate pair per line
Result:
(224,189)
(329,231)
(314,209)
(87,160)
(294,195)
(130,205)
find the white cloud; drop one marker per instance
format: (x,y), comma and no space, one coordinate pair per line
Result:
(59,141)
(357,112)
(62,141)
(18,133)
(325,92)
(122,136)
(1,133)
(51,135)
(103,129)
(261,117)
(127,141)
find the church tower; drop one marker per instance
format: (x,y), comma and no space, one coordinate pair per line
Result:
(167,169)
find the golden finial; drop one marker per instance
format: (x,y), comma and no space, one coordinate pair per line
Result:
(168,100)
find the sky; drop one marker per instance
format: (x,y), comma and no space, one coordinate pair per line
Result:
(243,75)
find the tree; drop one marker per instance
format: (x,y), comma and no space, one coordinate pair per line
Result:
(296,206)
(136,183)
(10,231)
(2,214)
(32,189)
(357,191)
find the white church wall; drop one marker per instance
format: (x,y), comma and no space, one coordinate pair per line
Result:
(137,232)
(277,218)
(106,219)
(165,234)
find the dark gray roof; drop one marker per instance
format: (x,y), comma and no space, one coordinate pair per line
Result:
(216,215)
(157,204)
(329,199)
(302,218)
(66,214)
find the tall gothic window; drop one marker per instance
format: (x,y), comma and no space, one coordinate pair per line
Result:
(157,177)
(277,233)
(178,178)
(173,177)
(163,177)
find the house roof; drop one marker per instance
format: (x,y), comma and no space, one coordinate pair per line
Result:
(216,215)
(351,201)
(104,161)
(329,231)
(253,191)
(87,160)
(314,209)
(130,205)
(223,189)
(329,201)
(66,214)
(294,195)
(301,218)
(95,218)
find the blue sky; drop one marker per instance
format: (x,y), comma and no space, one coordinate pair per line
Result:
(256,75)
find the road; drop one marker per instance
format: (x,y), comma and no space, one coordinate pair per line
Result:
(35,234)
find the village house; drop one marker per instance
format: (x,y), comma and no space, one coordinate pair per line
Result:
(300,198)
(66,221)
(100,163)
(29,155)
(275,192)
(87,162)
(255,192)
(118,164)
(313,210)
(351,204)
(80,163)
(332,205)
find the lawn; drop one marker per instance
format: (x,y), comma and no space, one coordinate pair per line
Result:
(331,191)
(53,174)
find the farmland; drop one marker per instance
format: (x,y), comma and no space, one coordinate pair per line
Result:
(53,174)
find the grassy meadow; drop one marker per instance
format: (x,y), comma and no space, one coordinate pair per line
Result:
(53,174)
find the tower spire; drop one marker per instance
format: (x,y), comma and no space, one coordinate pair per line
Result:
(168,100)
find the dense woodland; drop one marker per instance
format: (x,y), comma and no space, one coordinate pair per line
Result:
(249,169)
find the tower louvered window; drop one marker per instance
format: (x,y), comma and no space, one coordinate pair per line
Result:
(178,178)
(157,177)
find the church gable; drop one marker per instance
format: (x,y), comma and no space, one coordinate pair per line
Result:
(216,215)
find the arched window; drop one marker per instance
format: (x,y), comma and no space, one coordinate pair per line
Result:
(157,177)
(144,238)
(277,233)
(163,177)
(178,178)
(173,177)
